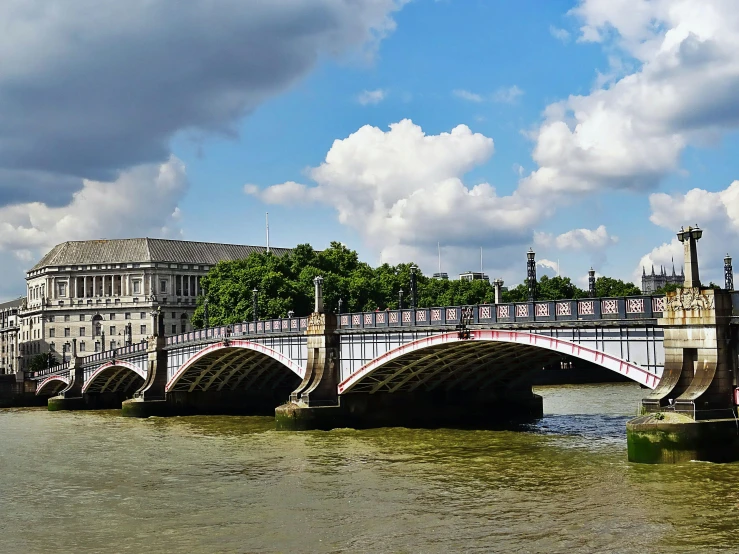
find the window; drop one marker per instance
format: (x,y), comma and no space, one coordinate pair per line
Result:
(112,317)
(112,344)
(174,329)
(136,286)
(66,318)
(82,331)
(82,346)
(143,329)
(97,346)
(162,286)
(174,315)
(112,330)
(127,315)
(62,289)
(51,319)
(142,315)
(67,332)
(52,333)
(52,347)
(178,284)
(82,317)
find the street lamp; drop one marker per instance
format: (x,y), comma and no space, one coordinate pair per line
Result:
(341,302)
(290,314)
(400,299)
(254,307)
(531,273)
(414,293)
(591,283)
(728,274)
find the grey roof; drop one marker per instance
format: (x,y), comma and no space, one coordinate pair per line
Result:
(11,304)
(146,250)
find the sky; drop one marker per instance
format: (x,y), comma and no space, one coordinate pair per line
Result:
(588,130)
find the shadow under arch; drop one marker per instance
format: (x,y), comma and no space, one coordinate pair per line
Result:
(52,385)
(236,377)
(119,377)
(444,379)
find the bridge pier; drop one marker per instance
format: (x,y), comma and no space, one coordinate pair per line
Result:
(150,399)
(690,415)
(71,398)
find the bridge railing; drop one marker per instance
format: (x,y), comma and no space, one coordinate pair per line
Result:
(583,309)
(50,370)
(122,351)
(295,325)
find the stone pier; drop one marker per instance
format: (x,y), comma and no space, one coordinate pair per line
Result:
(691,413)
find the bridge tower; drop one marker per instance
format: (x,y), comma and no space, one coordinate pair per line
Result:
(691,413)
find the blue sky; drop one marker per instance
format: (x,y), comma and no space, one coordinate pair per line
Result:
(591,130)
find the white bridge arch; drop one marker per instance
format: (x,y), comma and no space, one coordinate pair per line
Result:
(54,382)
(113,376)
(535,347)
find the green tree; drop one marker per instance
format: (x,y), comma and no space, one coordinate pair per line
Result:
(40,361)
(609,287)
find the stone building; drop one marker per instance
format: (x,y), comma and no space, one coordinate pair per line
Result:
(9,330)
(650,283)
(103,293)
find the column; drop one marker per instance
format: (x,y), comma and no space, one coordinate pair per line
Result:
(94,285)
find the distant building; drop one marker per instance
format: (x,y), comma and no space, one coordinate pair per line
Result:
(473,276)
(442,276)
(650,283)
(104,293)
(9,328)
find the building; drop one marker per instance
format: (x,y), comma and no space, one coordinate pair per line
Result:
(9,329)
(473,276)
(442,276)
(104,293)
(650,283)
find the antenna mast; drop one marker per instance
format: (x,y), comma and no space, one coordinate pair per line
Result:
(481,259)
(267,220)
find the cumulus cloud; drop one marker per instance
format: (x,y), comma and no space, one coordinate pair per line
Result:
(467,95)
(507,95)
(403,191)
(367,97)
(629,132)
(560,34)
(578,239)
(717,213)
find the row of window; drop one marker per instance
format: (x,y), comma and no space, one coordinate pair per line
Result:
(97,331)
(111,316)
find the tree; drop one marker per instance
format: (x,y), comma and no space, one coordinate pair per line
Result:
(669,287)
(40,361)
(608,287)
(557,288)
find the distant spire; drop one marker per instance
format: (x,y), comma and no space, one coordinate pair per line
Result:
(652,269)
(673,267)
(643,271)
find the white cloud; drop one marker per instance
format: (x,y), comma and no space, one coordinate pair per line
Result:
(142,201)
(507,95)
(367,97)
(578,239)
(467,95)
(717,213)
(402,190)
(545,264)
(631,130)
(560,34)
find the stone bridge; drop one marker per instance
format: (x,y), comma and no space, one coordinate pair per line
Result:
(389,367)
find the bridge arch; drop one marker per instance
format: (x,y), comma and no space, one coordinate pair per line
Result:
(236,365)
(52,385)
(116,376)
(446,359)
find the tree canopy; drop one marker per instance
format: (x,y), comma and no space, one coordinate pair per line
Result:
(285,283)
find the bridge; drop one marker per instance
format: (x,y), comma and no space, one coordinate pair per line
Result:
(457,365)
(429,358)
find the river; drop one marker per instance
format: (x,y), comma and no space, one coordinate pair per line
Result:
(97,482)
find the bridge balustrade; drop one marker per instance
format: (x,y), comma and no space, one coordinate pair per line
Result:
(50,370)
(585,309)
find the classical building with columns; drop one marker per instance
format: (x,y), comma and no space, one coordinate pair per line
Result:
(103,293)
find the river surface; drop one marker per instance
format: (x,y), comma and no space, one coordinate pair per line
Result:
(97,482)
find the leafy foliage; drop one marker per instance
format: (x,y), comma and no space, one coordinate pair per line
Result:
(286,283)
(40,361)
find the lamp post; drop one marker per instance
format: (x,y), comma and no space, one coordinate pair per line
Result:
(531,273)
(341,302)
(690,237)
(414,294)
(290,314)
(591,283)
(318,284)
(254,306)
(400,299)
(728,274)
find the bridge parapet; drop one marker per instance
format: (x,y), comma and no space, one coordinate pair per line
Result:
(584,309)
